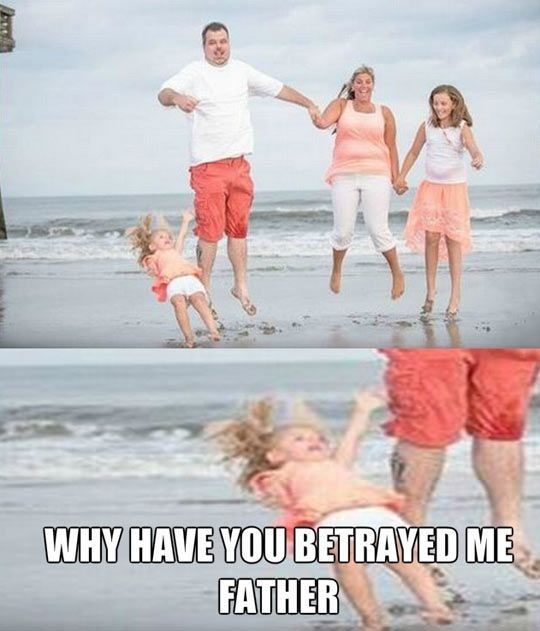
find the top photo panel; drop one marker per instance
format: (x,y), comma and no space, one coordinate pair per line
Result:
(269,175)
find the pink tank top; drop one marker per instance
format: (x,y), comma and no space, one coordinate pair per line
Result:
(360,146)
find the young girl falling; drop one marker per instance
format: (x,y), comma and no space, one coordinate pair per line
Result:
(293,468)
(175,279)
(439,220)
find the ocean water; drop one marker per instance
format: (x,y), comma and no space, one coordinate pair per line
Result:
(284,226)
(62,424)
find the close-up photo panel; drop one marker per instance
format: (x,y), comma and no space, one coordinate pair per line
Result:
(269,314)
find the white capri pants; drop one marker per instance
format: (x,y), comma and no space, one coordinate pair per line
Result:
(373,192)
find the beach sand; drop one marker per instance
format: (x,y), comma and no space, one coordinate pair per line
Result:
(36,595)
(88,305)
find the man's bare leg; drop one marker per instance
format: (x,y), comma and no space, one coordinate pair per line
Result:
(180,306)
(416,471)
(499,467)
(354,581)
(337,262)
(237,251)
(206,255)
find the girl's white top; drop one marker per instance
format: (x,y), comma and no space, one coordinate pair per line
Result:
(444,154)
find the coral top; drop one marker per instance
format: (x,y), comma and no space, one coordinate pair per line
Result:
(307,491)
(360,146)
(165,265)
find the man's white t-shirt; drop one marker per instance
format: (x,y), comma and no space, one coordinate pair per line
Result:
(221,123)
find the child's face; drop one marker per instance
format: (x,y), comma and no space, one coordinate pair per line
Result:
(443,106)
(161,240)
(300,444)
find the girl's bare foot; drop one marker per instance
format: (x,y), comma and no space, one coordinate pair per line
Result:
(335,281)
(398,285)
(440,615)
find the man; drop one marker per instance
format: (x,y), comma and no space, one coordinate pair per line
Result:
(433,396)
(214,93)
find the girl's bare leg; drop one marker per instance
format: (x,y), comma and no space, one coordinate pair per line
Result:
(353,579)
(200,304)
(432,240)
(419,580)
(180,306)
(454,262)
(398,280)
(335,279)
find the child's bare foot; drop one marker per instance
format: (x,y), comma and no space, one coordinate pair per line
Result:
(398,285)
(335,281)
(440,615)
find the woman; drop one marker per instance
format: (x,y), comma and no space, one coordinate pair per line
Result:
(364,168)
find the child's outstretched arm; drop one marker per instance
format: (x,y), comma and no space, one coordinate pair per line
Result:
(364,404)
(472,147)
(187,216)
(400,185)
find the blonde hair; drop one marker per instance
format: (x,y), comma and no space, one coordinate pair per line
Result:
(460,111)
(141,235)
(247,439)
(347,88)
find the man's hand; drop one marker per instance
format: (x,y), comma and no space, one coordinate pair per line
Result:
(188,216)
(186,103)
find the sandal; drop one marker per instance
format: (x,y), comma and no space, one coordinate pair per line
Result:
(246,303)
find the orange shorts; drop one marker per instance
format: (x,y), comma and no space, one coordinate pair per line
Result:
(223,198)
(435,394)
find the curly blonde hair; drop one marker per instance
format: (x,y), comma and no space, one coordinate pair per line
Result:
(141,235)
(247,439)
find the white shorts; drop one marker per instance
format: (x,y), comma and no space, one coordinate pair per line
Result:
(370,517)
(185,286)
(372,193)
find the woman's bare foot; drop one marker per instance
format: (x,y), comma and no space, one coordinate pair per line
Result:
(440,615)
(190,342)
(214,335)
(335,281)
(398,285)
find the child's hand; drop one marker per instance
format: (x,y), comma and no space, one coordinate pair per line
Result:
(365,403)
(400,186)
(478,161)
(188,216)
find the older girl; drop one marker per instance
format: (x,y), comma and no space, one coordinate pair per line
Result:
(441,204)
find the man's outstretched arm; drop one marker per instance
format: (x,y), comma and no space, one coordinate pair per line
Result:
(293,96)
(169,98)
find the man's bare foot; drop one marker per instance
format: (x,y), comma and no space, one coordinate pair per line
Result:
(373,624)
(398,285)
(244,300)
(526,562)
(335,281)
(440,615)
(438,575)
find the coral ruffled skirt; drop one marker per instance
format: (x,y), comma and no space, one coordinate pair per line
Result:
(442,208)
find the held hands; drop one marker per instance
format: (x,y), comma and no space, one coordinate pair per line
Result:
(478,161)
(186,103)
(315,115)
(400,185)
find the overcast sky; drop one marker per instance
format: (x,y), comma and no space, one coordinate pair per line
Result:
(78,109)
